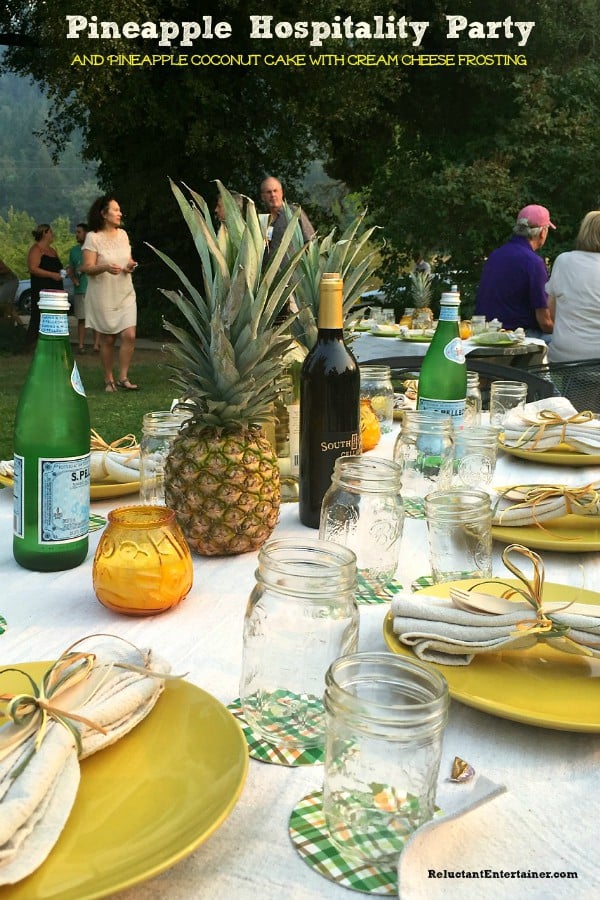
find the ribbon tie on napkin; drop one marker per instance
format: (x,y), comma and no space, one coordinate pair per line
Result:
(87,701)
(437,631)
(545,424)
(532,504)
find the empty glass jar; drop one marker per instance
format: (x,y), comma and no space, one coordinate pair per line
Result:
(376,386)
(363,510)
(424,450)
(385,721)
(301,615)
(159,430)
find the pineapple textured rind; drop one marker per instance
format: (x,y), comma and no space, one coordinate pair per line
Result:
(221,476)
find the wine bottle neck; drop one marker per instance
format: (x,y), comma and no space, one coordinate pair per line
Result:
(331,314)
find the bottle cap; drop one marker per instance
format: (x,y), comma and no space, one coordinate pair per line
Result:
(54,300)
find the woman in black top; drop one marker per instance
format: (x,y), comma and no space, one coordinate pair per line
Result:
(44,267)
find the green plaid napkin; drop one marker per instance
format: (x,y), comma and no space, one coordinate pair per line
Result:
(424,581)
(414,507)
(260,749)
(96,522)
(311,839)
(369,593)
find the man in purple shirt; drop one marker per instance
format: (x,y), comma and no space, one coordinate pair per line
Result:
(513,280)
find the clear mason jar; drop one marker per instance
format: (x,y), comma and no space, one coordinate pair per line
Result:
(158,431)
(385,719)
(473,401)
(363,510)
(301,615)
(376,386)
(424,450)
(459,528)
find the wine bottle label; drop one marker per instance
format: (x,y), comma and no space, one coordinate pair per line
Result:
(54,324)
(342,444)
(454,351)
(63,499)
(294,428)
(76,381)
(453,408)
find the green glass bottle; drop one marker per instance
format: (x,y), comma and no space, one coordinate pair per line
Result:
(443,376)
(52,451)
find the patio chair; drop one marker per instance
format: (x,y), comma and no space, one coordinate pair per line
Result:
(579,381)
(538,386)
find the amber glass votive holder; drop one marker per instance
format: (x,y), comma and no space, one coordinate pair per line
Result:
(142,564)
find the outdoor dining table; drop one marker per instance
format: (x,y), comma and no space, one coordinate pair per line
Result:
(544,826)
(367,346)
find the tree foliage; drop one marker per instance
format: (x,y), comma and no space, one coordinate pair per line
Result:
(445,155)
(16,239)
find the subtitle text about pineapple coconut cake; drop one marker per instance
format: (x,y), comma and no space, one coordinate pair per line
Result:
(396,41)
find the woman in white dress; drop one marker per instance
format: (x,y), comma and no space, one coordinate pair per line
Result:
(110,298)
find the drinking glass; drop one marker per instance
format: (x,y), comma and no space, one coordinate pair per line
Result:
(505,396)
(363,510)
(475,454)
(424,450)
(459,528)
(385,718)
(376,386)
(301,615)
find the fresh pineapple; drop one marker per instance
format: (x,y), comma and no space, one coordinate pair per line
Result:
(420,295)
(221,476)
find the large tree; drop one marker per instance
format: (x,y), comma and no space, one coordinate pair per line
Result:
(446,153)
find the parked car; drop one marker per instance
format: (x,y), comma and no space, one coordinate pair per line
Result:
(23,294)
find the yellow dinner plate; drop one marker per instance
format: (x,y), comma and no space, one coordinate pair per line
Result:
(568,534)
(560,456)
(100,491)
(107,489)
(146,802)
(385,332)
(539,686)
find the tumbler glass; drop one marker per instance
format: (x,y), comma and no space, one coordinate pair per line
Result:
(424,450)
(475,454)
(301,615)
(363,510)
(376,386)
(459,527)
(385,721)
(505,396)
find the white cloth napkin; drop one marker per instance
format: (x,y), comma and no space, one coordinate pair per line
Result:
(36,802)
(527,428)
(438,632)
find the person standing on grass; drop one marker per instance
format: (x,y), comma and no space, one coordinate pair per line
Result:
(111,305)
(79,280)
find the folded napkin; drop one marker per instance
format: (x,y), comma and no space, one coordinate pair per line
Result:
(437,630)
(87,701)
(529,504)
(545,424)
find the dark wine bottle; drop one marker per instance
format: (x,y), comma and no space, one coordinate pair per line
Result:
(52,451)
(329,403)
(443,377)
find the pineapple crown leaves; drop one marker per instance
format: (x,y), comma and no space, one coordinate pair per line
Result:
(420,288)
(350,256)
(229,357)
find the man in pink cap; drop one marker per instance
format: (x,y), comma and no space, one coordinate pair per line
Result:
(512,286)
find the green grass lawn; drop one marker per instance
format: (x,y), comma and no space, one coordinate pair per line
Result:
(112,415)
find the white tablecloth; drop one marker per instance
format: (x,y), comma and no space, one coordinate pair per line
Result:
(547,821)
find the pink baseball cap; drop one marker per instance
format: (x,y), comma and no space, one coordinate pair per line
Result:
(535,216)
